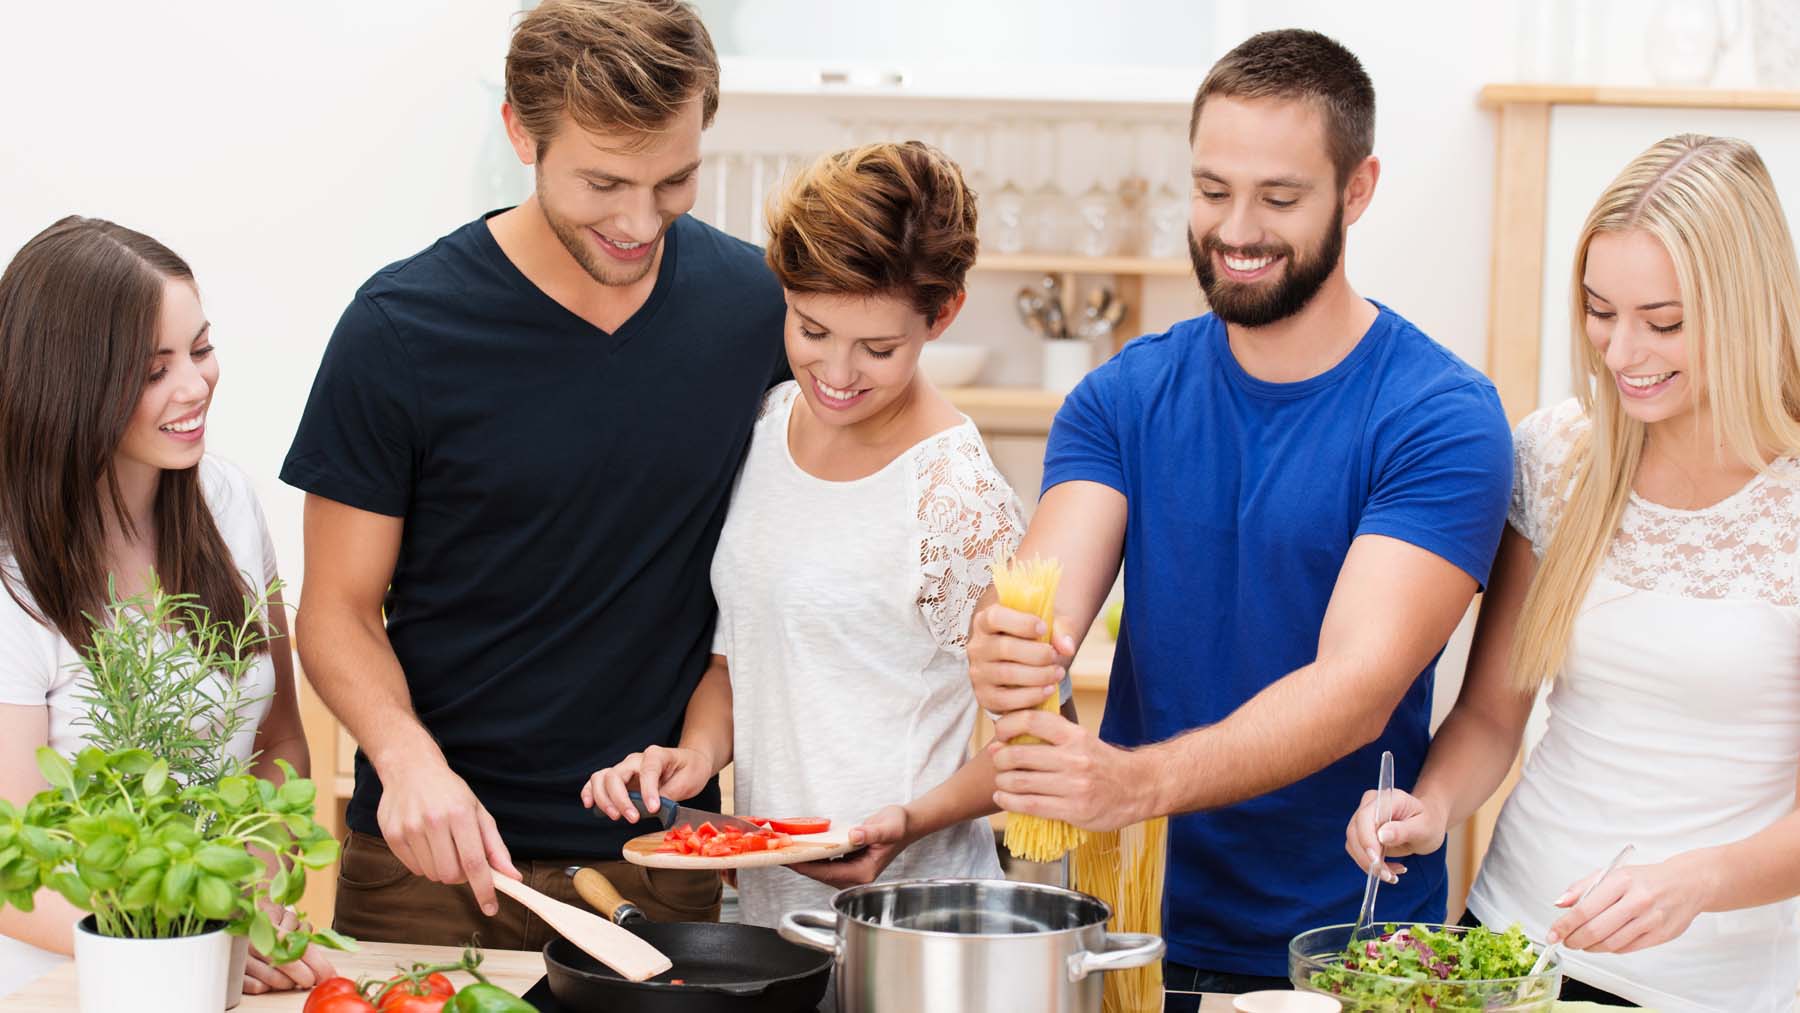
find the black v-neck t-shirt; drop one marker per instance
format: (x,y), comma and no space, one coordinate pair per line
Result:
(562,490)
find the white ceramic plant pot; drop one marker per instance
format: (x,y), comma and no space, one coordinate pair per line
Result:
(234,972)
(185,975)
(1066,361)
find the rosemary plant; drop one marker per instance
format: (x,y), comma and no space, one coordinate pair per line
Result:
(162,676)
(155,827)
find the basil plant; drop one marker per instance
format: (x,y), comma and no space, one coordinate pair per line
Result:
(115,835)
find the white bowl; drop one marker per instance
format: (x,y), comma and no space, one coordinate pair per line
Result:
(1285,1002)
(947,364)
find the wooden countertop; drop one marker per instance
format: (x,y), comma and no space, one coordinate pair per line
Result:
(513,970)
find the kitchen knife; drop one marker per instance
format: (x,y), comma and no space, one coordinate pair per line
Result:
(670,814)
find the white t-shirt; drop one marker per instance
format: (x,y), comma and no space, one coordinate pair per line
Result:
(1674,725)
(844,610)
(38,668)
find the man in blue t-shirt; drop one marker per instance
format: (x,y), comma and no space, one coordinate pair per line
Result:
(1306,492)
(517,456)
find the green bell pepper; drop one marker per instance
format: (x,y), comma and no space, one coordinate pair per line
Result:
(484,998)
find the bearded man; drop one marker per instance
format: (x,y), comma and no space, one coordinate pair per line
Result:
(1305,492)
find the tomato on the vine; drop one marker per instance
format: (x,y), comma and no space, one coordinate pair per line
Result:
(337,995)
(430,996)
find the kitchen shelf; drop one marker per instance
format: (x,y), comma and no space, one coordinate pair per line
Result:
(1128,274)
(1007,411)
(1495,96)
(1052,263)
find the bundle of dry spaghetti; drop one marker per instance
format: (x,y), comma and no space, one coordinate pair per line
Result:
(1124,868)
(1030,586)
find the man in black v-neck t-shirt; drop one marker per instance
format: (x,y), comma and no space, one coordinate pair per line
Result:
(519,449)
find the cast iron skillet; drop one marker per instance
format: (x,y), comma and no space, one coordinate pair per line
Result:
(722,967)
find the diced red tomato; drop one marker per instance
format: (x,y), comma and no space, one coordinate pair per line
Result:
(709,841)
(801,825)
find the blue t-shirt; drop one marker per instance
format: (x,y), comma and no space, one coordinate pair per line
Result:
(1242,500)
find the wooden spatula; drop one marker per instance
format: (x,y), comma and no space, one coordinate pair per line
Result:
(634,959)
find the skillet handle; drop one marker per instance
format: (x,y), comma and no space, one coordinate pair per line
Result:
(593,887)
(1123,950)
(804,928)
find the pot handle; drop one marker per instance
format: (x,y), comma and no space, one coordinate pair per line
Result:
(803,928)
(1124,950)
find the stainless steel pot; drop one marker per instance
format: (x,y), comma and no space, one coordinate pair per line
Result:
(968,946)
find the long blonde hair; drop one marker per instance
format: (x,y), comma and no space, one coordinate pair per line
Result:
(1711,203)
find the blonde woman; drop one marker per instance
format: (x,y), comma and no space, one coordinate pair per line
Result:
(1651,576)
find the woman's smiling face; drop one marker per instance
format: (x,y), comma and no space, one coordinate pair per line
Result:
(854,355)
(1634,320)
(167,430)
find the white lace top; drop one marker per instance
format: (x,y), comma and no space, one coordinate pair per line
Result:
(844,609)
(1674,725)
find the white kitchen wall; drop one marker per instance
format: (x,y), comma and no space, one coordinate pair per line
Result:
(288,150)
(1423,245)
(1588,147)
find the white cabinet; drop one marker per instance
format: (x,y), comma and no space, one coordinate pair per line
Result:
(1050,50)
(1031,82)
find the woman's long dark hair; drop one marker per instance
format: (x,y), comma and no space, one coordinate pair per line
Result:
(79,306)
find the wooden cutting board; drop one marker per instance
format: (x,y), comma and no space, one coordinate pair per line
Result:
(800,848)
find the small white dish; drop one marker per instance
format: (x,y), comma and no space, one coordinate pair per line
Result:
(948,364)
(1285,1002)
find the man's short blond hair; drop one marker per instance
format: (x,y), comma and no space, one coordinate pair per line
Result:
(614,66)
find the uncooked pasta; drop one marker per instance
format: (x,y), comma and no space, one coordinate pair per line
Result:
(1030,587)
(1124,868)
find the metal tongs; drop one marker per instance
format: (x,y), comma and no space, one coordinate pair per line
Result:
(1384,809)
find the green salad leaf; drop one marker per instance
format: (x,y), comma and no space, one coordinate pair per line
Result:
(1420,969)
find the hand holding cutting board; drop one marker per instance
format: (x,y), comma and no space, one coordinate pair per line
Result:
(881,837)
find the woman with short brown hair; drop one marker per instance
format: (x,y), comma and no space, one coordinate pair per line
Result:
(861,535)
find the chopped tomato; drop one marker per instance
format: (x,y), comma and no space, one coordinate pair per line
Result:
(801,825)
(718,843)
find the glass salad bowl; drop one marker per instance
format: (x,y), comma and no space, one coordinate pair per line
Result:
(1425,968)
